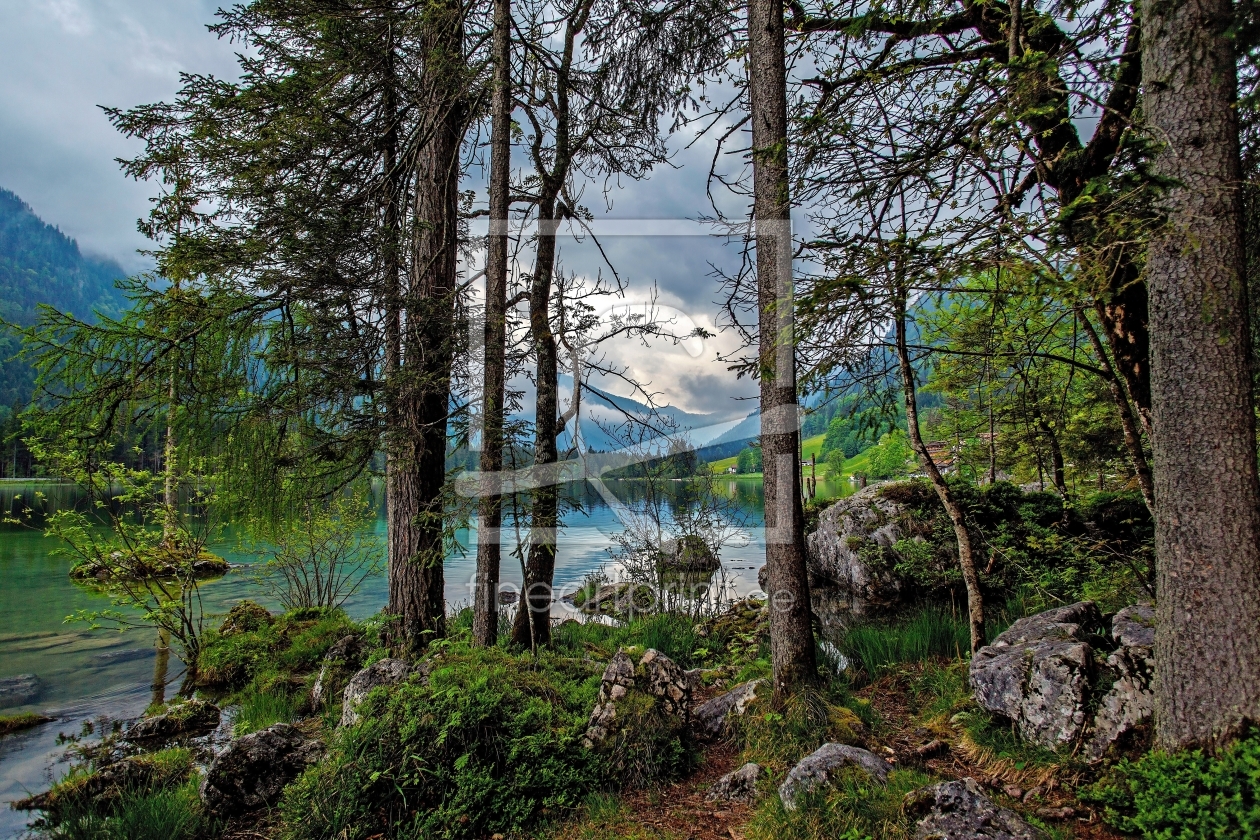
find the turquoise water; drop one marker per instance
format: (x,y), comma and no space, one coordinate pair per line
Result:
(88,674)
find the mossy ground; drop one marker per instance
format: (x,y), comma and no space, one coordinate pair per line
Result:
(17,723)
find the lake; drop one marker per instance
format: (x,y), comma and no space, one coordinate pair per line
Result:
(91,676)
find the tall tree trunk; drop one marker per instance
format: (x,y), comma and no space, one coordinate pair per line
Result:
(490,506)
(1207,496)
(416,580)
(791,634)
(1132,436)
(532,626)
(966,557)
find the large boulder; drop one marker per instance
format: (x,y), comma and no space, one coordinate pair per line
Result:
(959,810)
(849,547)
(688,553)
(817,768)
(1039,674)
(709,718)
(1130,701)
(737,786)
(656,676)
(253,770)
(190,718)
(386,672)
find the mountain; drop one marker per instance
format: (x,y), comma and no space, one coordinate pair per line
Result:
(41,265)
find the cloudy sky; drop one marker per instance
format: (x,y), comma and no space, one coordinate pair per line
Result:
(62,59)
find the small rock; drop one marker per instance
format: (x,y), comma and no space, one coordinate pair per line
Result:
(1033,793)
(959,810)
(737,786)
(661,678)
(191,717)
(1064,813)
(1014,792)
(20,690)
(709,718)
(385,672)
(253,770)
(816,768)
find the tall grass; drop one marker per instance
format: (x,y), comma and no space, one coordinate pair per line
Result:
(260,709)
(929,634)
(171,814)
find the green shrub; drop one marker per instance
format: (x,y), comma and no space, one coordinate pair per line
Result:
(141,813)
(491,744)
(1185,796)
(294,642)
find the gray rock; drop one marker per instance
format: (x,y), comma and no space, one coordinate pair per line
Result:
(657,676)
(959,810)
(20,690)
(815,770)
(346,653)
(189,718)
(1039,674)
(254,769)
(737,786)
(666,681)
(1134,627)
(864,520)
(1130,701)
(386,672)
(709,718)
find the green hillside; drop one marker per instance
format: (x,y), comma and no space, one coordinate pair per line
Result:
(41,265)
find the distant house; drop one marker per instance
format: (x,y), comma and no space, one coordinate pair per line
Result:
(732,470)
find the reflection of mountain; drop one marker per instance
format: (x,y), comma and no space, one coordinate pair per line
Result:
(41,265)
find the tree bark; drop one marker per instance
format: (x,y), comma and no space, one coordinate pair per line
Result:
(416,580)
(1207,496)
(532,627)
(791,633)
(490,506)
(966,557)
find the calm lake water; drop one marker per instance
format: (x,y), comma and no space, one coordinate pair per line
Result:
(90,676)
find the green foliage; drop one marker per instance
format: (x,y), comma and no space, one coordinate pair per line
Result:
(321,555)
(748,460)
(1191,795)
(851,807)
(492,743)
(166,814)
(294,643)
(1028,543)
(891,457)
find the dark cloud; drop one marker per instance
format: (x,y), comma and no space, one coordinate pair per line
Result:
(61,59)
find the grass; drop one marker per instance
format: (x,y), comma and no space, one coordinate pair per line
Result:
(259,709)
(928,634)
(170,814)
(16,723)
(852,807)
(605,817)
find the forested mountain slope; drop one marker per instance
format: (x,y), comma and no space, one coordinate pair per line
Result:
(41,265)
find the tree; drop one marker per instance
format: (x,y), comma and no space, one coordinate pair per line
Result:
(791,634)
(1207,496)
(490,506)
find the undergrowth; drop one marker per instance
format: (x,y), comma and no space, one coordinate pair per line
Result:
(1191,795)
(852,807)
